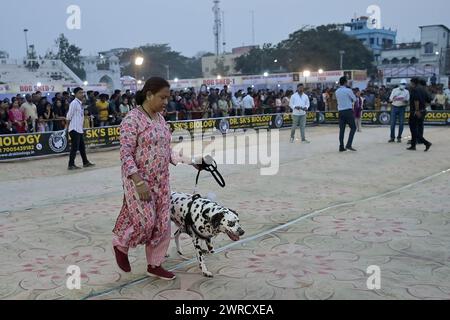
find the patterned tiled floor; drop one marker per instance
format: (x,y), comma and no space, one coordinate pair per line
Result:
(312,230)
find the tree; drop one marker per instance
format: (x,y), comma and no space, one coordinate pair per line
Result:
(319,48)
(158,60)
(70,55)
(259,60)
(221,68)
(312,49)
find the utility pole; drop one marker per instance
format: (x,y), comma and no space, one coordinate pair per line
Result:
(217,26)
(224,43)
(253,28)
(26,42)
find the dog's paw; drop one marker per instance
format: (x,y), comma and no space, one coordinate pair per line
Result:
(208,274)
(183,257)
(207,252)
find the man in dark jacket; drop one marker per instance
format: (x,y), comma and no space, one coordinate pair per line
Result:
(418,101)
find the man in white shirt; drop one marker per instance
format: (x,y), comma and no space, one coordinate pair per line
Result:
(236,102)
(30,111)
(300,105)
(248,103)
(400,100)
(447,96)
(75,118)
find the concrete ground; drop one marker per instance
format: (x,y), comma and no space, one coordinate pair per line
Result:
(312,230)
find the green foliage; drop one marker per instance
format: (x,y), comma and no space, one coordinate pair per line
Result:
(311,49)
(260,60)
(70,55)
(157,59)
(221,69)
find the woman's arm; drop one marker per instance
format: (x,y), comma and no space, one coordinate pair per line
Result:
(177,158)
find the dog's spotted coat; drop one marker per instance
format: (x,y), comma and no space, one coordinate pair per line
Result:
(209,219)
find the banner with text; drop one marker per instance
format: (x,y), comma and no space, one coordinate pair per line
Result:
(21,146)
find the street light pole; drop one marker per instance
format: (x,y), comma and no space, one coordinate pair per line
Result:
(342,52)
(168,71)
(439,66)
(139,61)
(306,74)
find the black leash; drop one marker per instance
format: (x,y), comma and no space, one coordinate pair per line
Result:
(210,165)
(189,223)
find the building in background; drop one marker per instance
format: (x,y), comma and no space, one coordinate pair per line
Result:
(103,69)
(209,63)
(22,76)
(430,56)
(4,55)
(373,38)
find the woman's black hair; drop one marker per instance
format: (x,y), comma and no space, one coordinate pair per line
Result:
(154,85)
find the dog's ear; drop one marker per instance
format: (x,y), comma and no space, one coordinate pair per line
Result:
(216,219)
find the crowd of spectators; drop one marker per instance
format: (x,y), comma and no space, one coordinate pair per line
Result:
(36,113)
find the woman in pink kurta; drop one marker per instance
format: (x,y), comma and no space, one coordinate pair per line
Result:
(146,155)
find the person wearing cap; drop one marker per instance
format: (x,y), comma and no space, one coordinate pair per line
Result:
(399,99)
(418,101)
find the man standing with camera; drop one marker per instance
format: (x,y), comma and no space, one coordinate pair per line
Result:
(300,105)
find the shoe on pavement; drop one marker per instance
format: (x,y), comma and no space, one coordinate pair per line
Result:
(428,147)
(351,149)
(122,260)
(342,149)
(161,273)
(70,168)
(89,165)
(391,141)
(411,149)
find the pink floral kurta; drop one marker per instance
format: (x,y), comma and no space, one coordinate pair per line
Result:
(145,149)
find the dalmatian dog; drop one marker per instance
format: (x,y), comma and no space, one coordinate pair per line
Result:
(202,219)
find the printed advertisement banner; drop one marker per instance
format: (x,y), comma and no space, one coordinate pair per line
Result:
(21,146)
(33,145)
